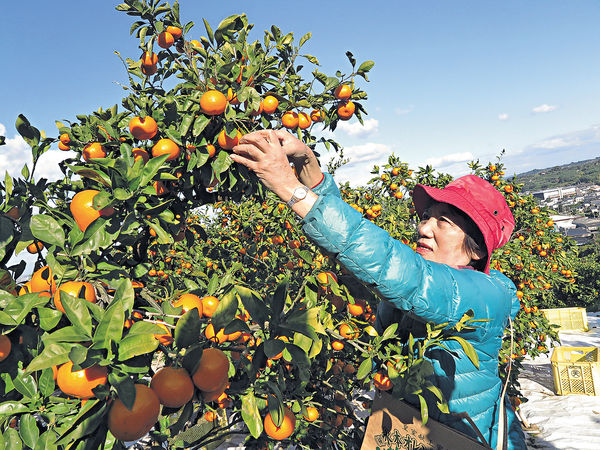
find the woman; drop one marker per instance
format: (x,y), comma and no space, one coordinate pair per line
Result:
(447,276)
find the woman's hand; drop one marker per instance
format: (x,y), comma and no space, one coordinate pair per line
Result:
(262,153)
(266,153)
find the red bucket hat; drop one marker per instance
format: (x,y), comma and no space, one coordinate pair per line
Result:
(479,200)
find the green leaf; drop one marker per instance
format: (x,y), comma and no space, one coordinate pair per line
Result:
(90,417)
(138,344)
(253,303)
(125,389)
(30,134)
(211,36)
(199,125)
(49,318)
(365,67)
(305,322)
(12,439)
(110,328)
(390,332)
(188,329)
(46,441)
(278,301)
(47,229)
(20,307)
(25,384)
(304,38)
(468,349)
(251,415)
(9,408)
(46,383)
(225,312)
(52,355)
(222,162)
(364,369)
(273,347)
(77,312)
(65,334)
(28,430)
(424,409)
(151,168)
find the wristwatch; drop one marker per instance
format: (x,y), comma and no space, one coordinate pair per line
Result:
(298,194)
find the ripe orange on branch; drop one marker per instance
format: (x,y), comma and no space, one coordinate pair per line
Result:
(82,210)
(77,289)
(212,370)
(165,39)
(226,142)
(42,280)
(166,147)
(189,302)
(382,382)
(35,247)
(81,382)
(290,120)
(213,103)
(284,430)
(173,386)
(176,32)
(343,92)
(209,305)
(304,120)
(140,153)
(131,424)
(345,110)
(143,128)
(5,347)
(93,150)
(270,104)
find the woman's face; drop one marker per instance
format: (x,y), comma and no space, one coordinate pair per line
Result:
(441,236)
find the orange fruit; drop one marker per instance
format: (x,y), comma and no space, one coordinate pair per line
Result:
(149,59)
(326,277)
(284,430)
(65,139)
(140,153)
(312,414)
(342,92)
(358,308)
(211,149)
(82,210)
(212,370)
(165,39)
(79,289)
(93,150)
(166,338)
(213,396)
(270,104)
(239,78)
(345,110)
(226,142)
(348,331)
(256,112)
(149,70)
(189,302)
(5,347)
(63,147)
(213,103)
(209,305)
(143,128)
(316,115)
(131,424)
(232,98)
(160,189)
(35,247)
(337,345)
(173,386)
(219,338)
(42,280)
(81,382)
(176,32)
(210,416)
(166,147)
(382,382)
(290,120)
(304,121)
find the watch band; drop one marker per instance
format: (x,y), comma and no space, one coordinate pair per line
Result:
(298,194)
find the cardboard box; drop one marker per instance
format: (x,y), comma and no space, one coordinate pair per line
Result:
(396,425)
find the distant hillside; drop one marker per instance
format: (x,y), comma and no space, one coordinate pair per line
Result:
(580,172)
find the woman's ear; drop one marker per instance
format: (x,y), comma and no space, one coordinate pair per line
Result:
(477,255)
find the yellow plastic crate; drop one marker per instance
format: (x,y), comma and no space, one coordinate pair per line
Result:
(567,318)
(576,370)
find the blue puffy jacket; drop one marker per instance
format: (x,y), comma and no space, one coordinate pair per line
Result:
(418,291)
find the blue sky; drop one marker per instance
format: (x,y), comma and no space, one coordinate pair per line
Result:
(453,80)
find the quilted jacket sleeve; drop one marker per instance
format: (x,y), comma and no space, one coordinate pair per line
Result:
(432,292)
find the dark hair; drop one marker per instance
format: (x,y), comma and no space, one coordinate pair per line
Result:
(474,242)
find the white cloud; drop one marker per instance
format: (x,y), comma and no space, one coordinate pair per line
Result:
(447,160)
(367,152)
(554,143)
(370,127)
(401,111)
(544,108)
(16,153)
(503,116)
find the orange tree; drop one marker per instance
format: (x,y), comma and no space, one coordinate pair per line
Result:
(272,335)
